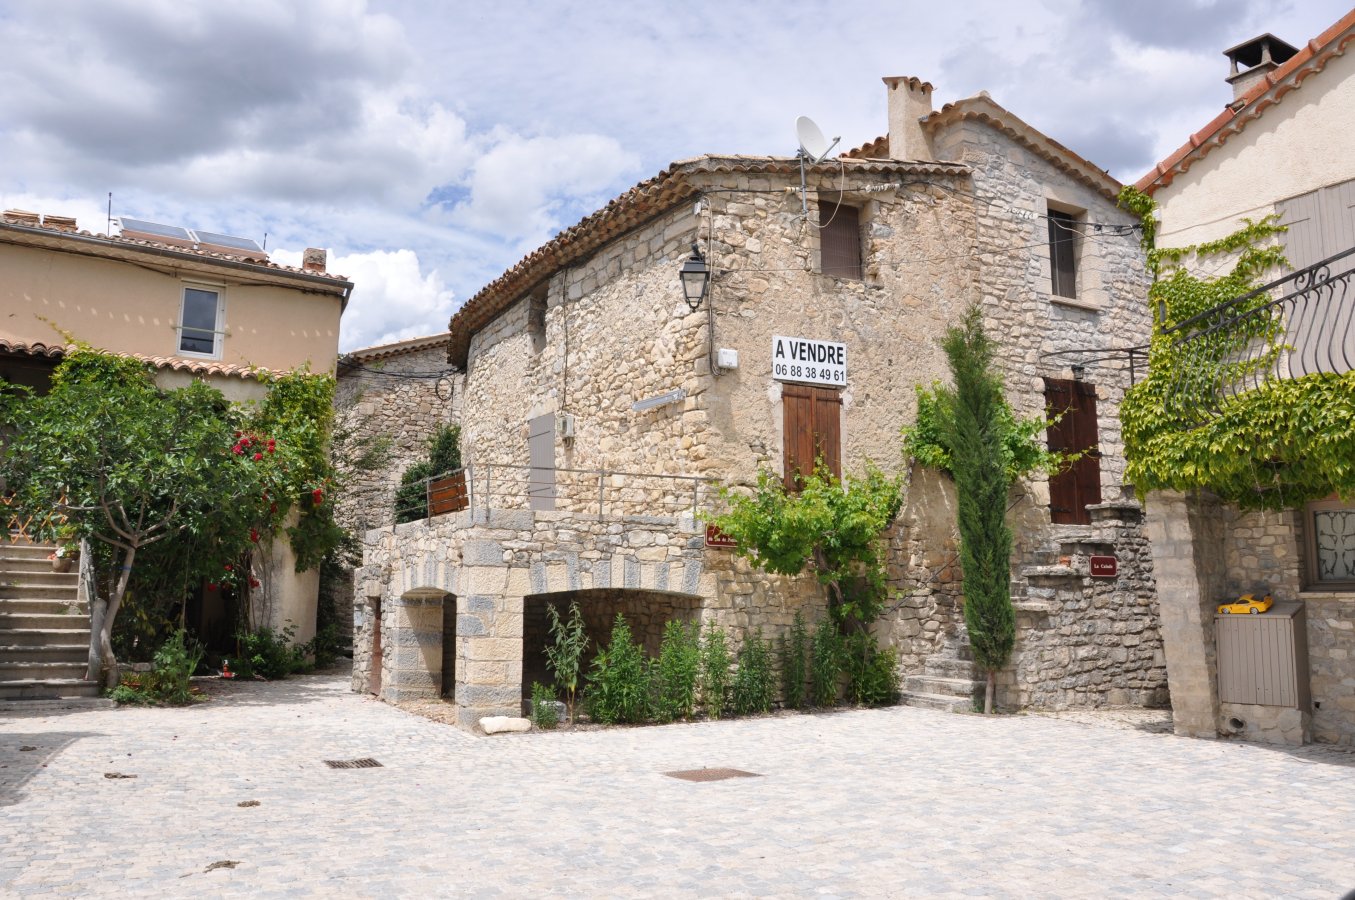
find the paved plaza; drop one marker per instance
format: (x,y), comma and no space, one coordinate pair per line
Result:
(897,802)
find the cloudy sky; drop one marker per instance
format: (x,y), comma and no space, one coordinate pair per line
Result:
(430,144)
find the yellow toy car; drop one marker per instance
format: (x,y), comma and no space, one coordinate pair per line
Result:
(1247,603)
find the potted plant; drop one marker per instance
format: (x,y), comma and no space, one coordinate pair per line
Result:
(67,549)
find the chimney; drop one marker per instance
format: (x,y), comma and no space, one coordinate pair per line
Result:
(909,100)
(23,217)
(314,260)
(1256,57)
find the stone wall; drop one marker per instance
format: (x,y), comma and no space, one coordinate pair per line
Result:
(495,566)
(383,400)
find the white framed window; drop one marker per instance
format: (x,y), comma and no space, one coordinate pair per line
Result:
(201,315)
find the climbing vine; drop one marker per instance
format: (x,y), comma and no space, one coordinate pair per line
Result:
(1276,445)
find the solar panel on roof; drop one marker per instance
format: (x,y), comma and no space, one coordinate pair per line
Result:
(144,227)
(228,240)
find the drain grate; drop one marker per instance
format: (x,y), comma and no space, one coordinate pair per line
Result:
(365,763)
(711,774)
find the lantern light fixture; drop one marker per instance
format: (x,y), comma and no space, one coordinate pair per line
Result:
(695,277)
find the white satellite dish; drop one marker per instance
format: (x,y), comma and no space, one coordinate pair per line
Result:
(813,145)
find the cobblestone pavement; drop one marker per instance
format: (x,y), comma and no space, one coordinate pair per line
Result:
(898,802)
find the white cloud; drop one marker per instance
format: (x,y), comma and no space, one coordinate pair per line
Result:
(393,299)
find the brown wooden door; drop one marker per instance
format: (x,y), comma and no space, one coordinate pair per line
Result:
(811,430)
(1075,432)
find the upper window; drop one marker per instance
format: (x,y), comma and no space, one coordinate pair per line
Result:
(1330,525)
(200,322)
(840,239)
(1063,236)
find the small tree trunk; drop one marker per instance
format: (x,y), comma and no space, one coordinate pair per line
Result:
(109,663)
(988,693)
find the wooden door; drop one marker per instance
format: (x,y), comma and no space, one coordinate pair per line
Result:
(811,430)
(1075,432)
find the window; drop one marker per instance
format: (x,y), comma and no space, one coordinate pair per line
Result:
(1063,236)
(840,239)
(536,320)
(811,429)
(1074,402)
(200,322)
(1330,527)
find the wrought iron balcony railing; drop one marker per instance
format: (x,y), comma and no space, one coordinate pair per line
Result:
(1298,325)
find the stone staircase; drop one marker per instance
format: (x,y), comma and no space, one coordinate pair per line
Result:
(947,681)
(44,628)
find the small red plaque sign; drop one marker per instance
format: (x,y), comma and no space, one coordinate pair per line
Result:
(1105,566)
(717,538)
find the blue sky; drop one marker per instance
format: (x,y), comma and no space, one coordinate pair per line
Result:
(430,145)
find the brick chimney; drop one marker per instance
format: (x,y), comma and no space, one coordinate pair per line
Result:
(910,99)
(1251,60)
(314,260)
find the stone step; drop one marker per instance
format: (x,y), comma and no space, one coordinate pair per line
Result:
(937,701)
(11,708)
(42,637)
(12,670)
(24,550)
(43,606)
(47,689)
(946,687)
(37,591)
(11,568)
(949,667)
(45,652)
(40,576)
(10,621)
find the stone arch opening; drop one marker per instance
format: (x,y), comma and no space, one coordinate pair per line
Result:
(418,638)
(646,611)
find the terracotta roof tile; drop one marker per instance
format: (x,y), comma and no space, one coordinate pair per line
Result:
(1267,92)
(173,363)
(65,226)
(641,203)
(398,348)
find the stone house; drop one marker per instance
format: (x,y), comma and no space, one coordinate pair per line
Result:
(193,305)
(1282,146)
(599,407)
(395,393)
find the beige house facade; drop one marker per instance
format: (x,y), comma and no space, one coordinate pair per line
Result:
(1281,147)
(211,307)
(601,410)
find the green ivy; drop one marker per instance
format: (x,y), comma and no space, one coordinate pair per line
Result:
(1278,445)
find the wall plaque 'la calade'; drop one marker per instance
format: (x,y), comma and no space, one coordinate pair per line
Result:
(809,361)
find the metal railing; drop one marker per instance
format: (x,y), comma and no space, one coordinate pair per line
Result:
(1295,326)
(600,493)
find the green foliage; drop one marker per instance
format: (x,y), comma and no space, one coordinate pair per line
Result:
(1022,441)
(444,455)
(715,662)
(754,680)
(1275,446)
(618,685)
(829,527)
(794,645)
(545,714)
(825,665)
(675,672)
(169,680)
(973,432)
(568,644)
(872,671)
(269,654)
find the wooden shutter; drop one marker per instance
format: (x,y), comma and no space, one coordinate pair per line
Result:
(541,457)
(1063,254)
(811,429)
(1076,432)
(840,239)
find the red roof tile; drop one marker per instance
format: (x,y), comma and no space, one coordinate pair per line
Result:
(1267,92)
(173,363)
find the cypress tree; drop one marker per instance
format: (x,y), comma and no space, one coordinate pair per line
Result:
(972,433)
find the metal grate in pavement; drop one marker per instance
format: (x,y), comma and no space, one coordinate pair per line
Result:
(711,774)
(364,763)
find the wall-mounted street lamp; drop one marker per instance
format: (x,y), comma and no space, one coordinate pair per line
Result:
(695,277)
